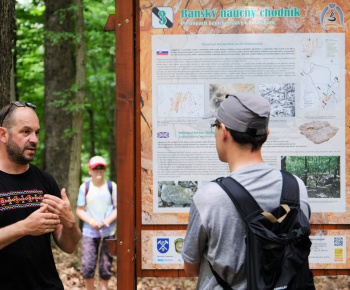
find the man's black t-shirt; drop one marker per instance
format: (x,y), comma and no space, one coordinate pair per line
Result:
(27,263)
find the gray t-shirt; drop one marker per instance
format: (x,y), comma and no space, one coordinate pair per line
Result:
(216,231)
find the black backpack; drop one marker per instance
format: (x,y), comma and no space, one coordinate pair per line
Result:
(277,243)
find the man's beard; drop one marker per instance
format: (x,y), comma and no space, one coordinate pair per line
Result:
(16,154)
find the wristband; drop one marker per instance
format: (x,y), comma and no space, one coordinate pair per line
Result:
(91,221)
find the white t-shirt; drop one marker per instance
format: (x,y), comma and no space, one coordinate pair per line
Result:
(99,204)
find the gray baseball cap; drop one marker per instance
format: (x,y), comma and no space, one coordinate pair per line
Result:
(244,112)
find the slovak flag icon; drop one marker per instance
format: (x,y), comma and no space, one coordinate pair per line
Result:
(162,52)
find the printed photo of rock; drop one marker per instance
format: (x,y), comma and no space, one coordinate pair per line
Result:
(318,131)
(281,98)
(176,194)
(320,174)
(217,93)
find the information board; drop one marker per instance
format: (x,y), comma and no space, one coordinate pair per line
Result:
(295,54)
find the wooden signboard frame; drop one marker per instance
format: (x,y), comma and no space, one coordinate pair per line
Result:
(126,24)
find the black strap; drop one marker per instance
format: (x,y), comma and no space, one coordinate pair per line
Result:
(242,199)
(221,281)
(290,187)
(245,202)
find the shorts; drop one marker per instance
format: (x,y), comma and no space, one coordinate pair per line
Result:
(89,252)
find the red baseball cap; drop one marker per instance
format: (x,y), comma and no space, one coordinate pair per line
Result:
(97,160)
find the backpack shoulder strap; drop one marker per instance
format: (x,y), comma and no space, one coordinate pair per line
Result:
(110,186)
(242,199)
(220,281)
(290,189)
(87,186)
(246,206)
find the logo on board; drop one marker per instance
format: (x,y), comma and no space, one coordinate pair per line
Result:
(178,245)
(163,245)
(332,16)
(162,17)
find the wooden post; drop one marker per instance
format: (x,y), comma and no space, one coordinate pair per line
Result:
(125,123)
(123,24)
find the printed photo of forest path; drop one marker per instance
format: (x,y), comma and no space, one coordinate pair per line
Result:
(320,174)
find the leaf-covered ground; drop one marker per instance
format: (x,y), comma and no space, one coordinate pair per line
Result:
(68,267)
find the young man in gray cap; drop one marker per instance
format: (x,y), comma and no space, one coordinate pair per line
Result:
(216,232)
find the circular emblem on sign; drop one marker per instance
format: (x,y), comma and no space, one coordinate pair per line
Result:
(178,245)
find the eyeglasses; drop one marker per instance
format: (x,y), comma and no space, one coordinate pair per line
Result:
(17,104)
(215,124)
(99,168)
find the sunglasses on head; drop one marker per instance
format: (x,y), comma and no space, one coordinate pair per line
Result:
(17,104)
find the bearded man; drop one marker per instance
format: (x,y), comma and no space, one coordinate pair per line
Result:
(31,207)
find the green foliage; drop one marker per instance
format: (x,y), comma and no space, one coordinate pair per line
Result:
(62,12)
(100,79)
(64,100)
(58,38)
(100,74)
(29,51)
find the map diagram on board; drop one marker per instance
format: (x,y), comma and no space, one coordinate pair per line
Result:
(180,100)
(320,70)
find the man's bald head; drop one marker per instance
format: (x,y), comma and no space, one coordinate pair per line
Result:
(7,114)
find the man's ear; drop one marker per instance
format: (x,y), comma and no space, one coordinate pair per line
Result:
(224,131)
(3,135)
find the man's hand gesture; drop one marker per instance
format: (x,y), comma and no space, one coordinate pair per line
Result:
(41,222)
(60,207)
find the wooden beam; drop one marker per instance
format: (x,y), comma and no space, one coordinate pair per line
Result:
(125,125)
(110,24)
(138,150)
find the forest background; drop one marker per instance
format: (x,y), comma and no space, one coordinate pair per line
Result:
(55,54)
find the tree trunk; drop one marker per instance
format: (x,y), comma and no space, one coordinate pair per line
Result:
(337,168)
(283,163)
(7,16)
(77,121)
(58,79)
(306,170)
(92,133)
(12,84)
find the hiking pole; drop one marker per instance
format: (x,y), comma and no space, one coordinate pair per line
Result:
(99,248)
